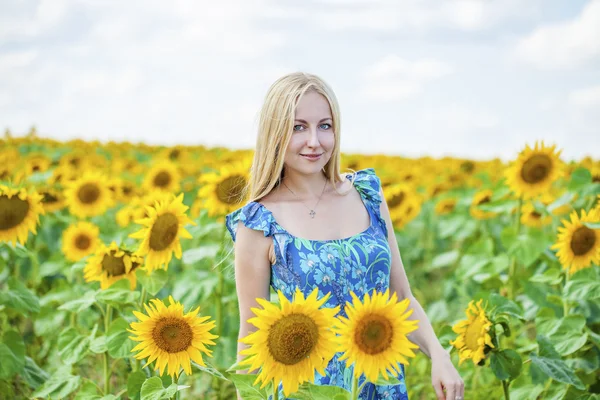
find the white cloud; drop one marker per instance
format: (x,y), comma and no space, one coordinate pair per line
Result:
(394,78)
(565,44)
(586,98)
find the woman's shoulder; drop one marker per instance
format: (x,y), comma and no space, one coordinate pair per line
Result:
(253,215)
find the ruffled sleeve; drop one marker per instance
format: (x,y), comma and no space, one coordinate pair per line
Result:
(368,185)
(253,215)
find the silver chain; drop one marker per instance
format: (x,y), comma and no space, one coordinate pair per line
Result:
(312,211)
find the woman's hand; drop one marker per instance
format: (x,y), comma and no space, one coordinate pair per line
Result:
(444,377)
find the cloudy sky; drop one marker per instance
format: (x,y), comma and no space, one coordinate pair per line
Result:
(473,78)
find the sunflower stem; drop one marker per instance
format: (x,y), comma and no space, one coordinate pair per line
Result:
(142,298)
(220,288)
(565,301)
(275,391)
(175,381)
(505,384)
(107,316)
(513,264)
(354,395)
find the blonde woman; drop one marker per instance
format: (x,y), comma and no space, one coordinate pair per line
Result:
(302,211)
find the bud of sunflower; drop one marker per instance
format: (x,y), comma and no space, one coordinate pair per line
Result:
(474,334)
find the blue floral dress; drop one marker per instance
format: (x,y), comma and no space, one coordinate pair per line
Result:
(359,263)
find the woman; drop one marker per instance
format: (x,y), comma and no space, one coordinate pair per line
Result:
(303,217)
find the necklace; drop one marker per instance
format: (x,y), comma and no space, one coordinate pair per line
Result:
(312,211)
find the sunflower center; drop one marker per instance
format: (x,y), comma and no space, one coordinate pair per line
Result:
(473,333)
(448,206)
(536,168)
(396,200)
(467,166)
(583,240)
(536,215)
(172,334)
(12,212)
(83,242)
(49,198)
(114,266)
(162,179)
(229,190)
(374,334)
(88,193)
(292,338)
(484,200)
(164,231)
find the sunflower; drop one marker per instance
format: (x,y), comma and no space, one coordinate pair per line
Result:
(52,199)
(223,191)
(162,230)
(88,196)
(400,197)
(531,217)
(171,337)
(578,246)
(292,340)
(473,334)
(480,198)
(19,214)
(111,264)
(163,176)
(80,240)
(445,206)
(374,336)
(534,171)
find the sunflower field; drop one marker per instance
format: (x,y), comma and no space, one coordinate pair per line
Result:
(116,274)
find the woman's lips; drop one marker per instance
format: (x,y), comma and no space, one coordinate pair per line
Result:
(312,156)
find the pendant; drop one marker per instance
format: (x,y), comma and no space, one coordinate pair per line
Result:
(312,213)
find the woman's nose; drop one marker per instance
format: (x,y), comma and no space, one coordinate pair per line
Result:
(313,139)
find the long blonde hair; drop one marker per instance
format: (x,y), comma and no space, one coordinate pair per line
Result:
(275,130)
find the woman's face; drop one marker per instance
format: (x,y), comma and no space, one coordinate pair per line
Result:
(313,138)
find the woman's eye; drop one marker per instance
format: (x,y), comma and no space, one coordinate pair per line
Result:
(325,126)
(298,128)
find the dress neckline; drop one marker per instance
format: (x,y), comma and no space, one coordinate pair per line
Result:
(362,198)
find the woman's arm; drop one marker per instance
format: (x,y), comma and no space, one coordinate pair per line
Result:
(252,275)
(424,336)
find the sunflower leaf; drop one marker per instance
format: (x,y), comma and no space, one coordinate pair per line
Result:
(72,346)
(152,389)
(506,364)
(244,385)
(118,294)
(80,304)
(557,370)
(592,225)
(579,178)
(117,339)
(12,354)
(154,281)
(308,391)
(33,374)
(209,369)
(60,385)
(135,380)
(19,298)
(579,289)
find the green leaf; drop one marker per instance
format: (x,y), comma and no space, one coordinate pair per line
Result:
(309,391)
(152,389)
(135,380)
(557,370)
(118,294)
(88,391)
(12,354)
(209,369)
(502,305)
(117,339)
(500,206)
(192,256)
(526,392)
(580,178)
(579,289)
(506,364)
(244,384)
(561,201)
(72,346)
(592,225)
(60,385)
(551,277)
(382,381)
(80,304)
(19,298)
(33,374)
(98,345)
(154,281)
(445,259)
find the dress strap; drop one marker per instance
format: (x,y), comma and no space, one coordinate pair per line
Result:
(368,184)
(254,216)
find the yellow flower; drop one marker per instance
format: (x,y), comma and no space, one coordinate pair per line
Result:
(578,246)
(534,171)
(223,191)
(163,176)
(111,264)
(445,206)
(171,337)
(374,336)
(530,217)
(162,230)
(80,240)
(292,340)
(52,199)
(473,334)
(480,198)
(88,196)
(19,214)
